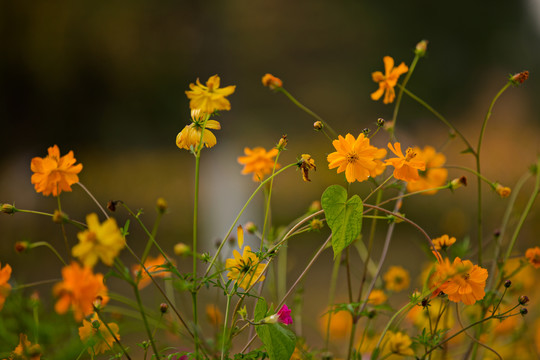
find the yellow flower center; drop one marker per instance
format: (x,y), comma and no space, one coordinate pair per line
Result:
(410,154)
(91,236)
(352,157)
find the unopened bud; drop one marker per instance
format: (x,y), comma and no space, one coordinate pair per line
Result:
(59,217)
(282,143)
(523,299)
(250,227)
(315,206)
(161,205)
(507,284)
(163,307)
(380,122)
(98,301)
(519,78)
(272,319)
(366,131)
(316,224)
(8,209)
(371,314)
(271,81)
(34,297)
(523,311)
(421,48)
(111,205)
(503,191)
(458,182)
(21,246)
(96,324)
(181,249)
(318,125)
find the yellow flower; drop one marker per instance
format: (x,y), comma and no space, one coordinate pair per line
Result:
(154,267)
(215,317)
(443,242)
(388,81)
(356,157)
(400,344)
(245,269)
(26,350)
(99,241)
(533,255)
(434,175)
(78,290)
(258,161)
(5,287)
(211,97)
(503,191)
(306,163)
(396,278)
(54,174)
(468,283)
(405,167)
(377,297)
(190,137)
(271,81)
(96,336)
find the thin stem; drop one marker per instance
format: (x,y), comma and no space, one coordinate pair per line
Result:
(37,283)
(50,247)
(194,247)
(79,224)
(267,209)
(62,225)
(331,294)
(225,326)
(112,333)
(94,199)
(145,321)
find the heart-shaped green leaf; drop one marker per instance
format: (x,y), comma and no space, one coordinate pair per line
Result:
(344,216)
(278,340)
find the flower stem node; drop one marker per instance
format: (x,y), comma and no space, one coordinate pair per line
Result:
(59,217)
(161,205)
(523,299)
(282,143)
(421,48)
(271,81)
(519,78)
(318,125)
(8,209)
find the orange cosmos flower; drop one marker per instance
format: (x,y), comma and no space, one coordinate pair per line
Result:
(78,290)
(99,241)
(434,175)
(154,267)
(190,136)
(95,333)
(26,350)
(396,278)
(388,81)
(245,269)
(443,242)
(54,174)
(340,323)
(533,255)
(356,157)
(258,161)
(214,315)
(468,283)
(405,167)
(211,97)
(271,81)
(377,297)
(503,191)
(5,287)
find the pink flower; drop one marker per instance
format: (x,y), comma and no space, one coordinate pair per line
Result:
(285,315)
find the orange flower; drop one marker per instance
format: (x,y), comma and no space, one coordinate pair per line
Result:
(54,174)
(503,191)
(5,287)
(468,283)
(443,242)
(434,175)
(154,267)
(78,290)
(533,255)
(271,81)
(215,317)
(211,97)
(377,297)
(258,161)
(388,81)
(95,334)
(356,157)
(340,323)
(405,167)
(26,350)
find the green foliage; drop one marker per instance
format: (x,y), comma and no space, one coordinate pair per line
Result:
(344,216)
(278,340)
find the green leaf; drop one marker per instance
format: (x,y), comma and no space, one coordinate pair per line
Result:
(278,340)
(343,216)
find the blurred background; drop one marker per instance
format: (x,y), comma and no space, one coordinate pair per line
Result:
(108,80)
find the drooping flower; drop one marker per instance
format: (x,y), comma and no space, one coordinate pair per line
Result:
(533,255)
(26,350)
(5,287)
(306,163)
(388,81)
(284,315)
(396,278)
(78,290)
(211,97)
(468,283)
(245,269)
(154,265)
(94,334)
(214,315)
(503,191)
(400,344)
(54,174)
(377,297)
(443,242)
(405,166)
(356,157)
(189,138)
(271,81)
(100,241)
(258,161)
(434,175)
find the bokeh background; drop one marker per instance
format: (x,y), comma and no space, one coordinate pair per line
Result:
(108,80)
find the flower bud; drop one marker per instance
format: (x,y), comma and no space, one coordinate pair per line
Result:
(250,227)
(503,191)
(523,311)
(458,182)
(421,48)
(161,205)
(59,217)
(98,301)
(111,205)
(380,122)
(316,224)
(163,307)
(282,143)
(519,78)
(181,249)
(318,125)
(507,284)
(272,319)
(523,299)
(366,131)
(271,81)
(21,246)
(8,209)
(315,206)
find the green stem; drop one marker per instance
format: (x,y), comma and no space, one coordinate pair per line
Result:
(195,223)
(62,225)
(112,333)
(225,327)
(267,209)
(153,236)
(331,295)
(50,247)
(145,321)
(78,224)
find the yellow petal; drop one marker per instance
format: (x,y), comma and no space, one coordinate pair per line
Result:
(240,235)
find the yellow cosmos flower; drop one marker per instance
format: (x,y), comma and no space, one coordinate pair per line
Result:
(533,256)
(154,265)
(211,97)
(79,288)
(54,174)
(396,278)
(356,157)
(99,241)
(400,344)
(468,283)
(434,175)
(388,81)
(190,137)
(405,167)
(245,269)
(26,350)
(5,287)
(96,336)
(443,242)
(258,161)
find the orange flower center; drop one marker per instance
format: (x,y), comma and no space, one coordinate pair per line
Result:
(92,237)
(352,157)
(410,154)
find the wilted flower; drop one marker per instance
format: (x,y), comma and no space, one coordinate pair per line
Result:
(306,163)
